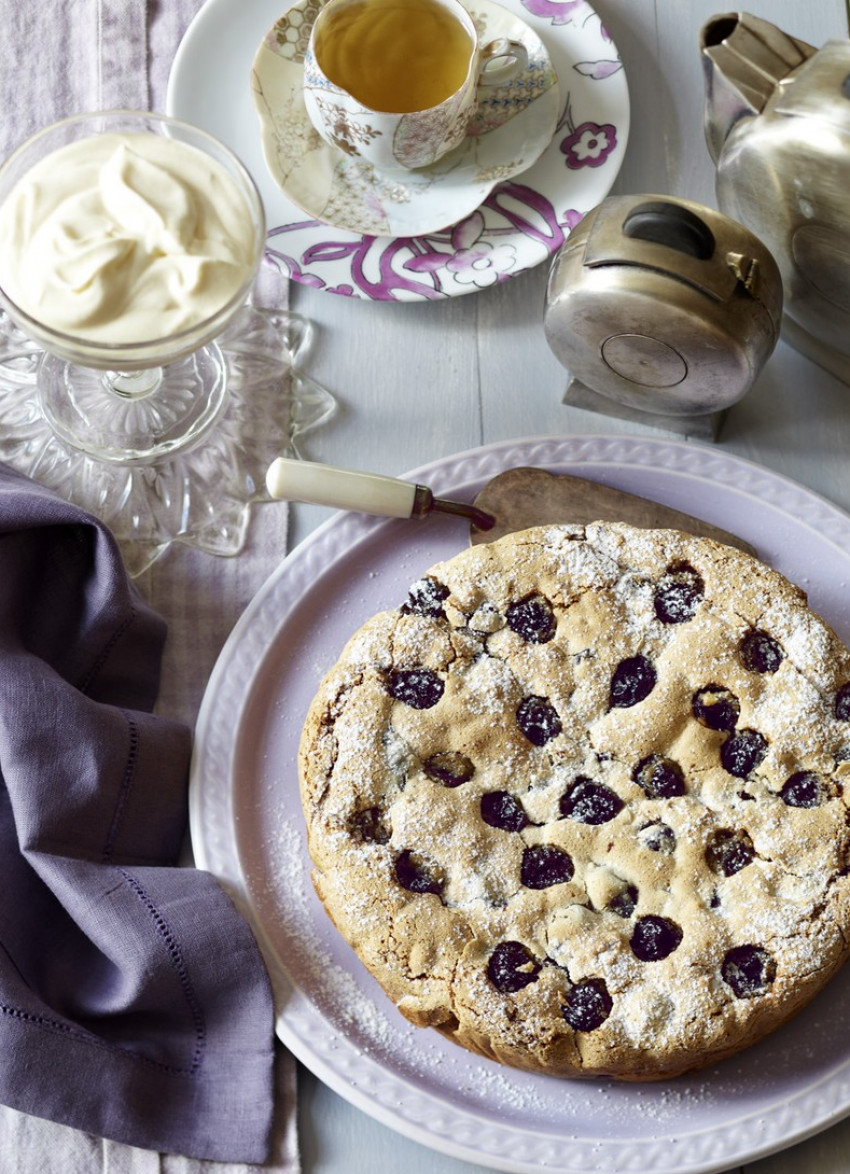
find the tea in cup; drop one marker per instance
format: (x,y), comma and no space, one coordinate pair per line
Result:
(394,82)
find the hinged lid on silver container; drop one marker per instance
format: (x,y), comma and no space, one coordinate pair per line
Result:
(663,305)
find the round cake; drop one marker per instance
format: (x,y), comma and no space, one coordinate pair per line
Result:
(578,802)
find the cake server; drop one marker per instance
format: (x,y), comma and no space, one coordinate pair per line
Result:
(513,500)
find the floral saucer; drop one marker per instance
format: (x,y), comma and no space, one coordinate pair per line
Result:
(513,125)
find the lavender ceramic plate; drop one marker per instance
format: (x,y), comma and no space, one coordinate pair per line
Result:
(247,829)
(523,220)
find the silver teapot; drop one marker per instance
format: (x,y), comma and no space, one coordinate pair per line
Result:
(777,124)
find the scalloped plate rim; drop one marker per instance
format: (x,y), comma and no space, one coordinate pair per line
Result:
(620,459)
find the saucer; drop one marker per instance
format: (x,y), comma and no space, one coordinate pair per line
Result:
(522,223)
(513,125)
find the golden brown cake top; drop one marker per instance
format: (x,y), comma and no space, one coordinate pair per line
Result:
(579,801)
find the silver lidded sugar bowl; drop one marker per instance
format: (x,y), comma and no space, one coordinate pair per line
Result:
(662,310)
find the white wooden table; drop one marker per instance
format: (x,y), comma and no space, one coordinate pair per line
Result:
(419,381)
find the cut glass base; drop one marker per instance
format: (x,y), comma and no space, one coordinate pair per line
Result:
(202,495)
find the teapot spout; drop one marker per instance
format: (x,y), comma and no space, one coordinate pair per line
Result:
(744,59)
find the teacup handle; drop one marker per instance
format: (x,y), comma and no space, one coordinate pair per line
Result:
(516,56)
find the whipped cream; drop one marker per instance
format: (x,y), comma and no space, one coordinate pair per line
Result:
(125,238)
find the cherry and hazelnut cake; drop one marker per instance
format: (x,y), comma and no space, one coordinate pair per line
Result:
(579,801)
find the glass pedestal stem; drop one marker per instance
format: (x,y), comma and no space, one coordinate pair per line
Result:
(133,384)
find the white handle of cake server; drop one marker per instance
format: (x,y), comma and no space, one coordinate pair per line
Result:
(345,489)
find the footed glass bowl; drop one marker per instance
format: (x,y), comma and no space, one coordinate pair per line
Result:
(167,439)
(133,399)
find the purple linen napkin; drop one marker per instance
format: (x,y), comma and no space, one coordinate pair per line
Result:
(134,1003)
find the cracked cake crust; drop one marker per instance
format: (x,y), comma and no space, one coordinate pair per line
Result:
(579,802)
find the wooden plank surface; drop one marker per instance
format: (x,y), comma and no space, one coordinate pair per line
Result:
(417,382)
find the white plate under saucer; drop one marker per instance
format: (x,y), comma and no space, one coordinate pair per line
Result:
(522,222)
(512,127)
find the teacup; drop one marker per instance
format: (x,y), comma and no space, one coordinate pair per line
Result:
(394,82)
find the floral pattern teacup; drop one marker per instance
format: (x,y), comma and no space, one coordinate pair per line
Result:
(392,141)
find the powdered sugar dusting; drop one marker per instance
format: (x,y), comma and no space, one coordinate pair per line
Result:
(689,969)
